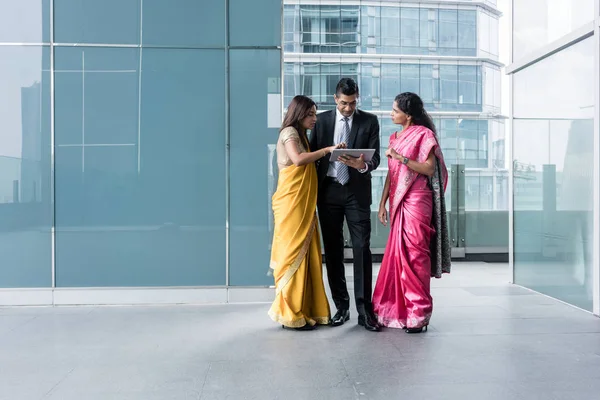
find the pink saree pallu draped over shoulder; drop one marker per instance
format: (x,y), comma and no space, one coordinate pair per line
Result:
(418,245)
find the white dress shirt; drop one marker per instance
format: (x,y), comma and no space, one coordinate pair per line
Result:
(337,138)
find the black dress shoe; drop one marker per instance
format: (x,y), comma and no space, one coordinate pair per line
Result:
(306,327)
(369,322)
(340,317)
(416,330)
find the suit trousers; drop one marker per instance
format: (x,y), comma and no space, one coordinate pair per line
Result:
(335,203)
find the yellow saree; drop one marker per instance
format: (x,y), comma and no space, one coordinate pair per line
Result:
(296,252)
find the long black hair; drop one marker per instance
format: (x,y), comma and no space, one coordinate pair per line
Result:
(299,108)
(411,104)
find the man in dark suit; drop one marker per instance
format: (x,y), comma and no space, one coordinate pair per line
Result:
(345,191)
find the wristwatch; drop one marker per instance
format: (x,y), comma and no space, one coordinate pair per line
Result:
(405,160)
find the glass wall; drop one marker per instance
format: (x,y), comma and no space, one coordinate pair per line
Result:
(553,162)
(444,52)
(25,21)
(347,28)
(539,22)
(478,145)
(443,86)
(25,146)
(25,175)
(252,71)
(488,34)
(464,140)
(144,167)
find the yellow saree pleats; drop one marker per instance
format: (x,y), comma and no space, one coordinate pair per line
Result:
(296,252)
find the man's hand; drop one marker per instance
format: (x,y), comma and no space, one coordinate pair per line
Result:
(357,163)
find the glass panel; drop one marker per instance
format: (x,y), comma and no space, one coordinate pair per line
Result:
(291,28)
(467,33)
(480,87)
(428,36)
(387,128)
(552,196)
(368,85)
(495,37)
(349,70)
(387,30)
(491,86)
(252,23)
(329,78)
(310,21)
(449,86)
(472,144)
(409,76)
(291,82)
(430,86)
(539,22)
(448,31)
(25,198)
(486,184)
(473,190)
(485,31)
(109,73)
(448,134)
(186,23)
(330,29)
(534,98)
(25,21)
(467,88)
(349,29)
(310,81)
(138,214)
(254,73)
(390,84)
(370,29)
(379,233)
(390,30)
(410,30)
(527,166)
(92,21)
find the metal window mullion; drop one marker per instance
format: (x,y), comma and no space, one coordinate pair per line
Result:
(227,149)
(52,158)
(596,173)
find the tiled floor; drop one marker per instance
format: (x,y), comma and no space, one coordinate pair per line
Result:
(488,340)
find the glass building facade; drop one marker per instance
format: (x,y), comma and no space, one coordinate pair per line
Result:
(134,147)
(554,123)
(447,52)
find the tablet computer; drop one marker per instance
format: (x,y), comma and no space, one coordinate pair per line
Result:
(367,153)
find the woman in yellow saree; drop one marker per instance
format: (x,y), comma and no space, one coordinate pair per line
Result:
(300,300)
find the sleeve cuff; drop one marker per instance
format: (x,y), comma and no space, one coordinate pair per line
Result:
(363,171)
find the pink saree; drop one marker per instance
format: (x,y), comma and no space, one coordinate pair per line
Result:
(401,297)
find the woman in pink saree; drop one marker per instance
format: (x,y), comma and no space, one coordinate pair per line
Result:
(418,247)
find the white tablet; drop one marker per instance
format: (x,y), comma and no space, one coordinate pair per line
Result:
(367,153)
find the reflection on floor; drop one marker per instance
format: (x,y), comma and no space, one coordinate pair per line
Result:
(488,340)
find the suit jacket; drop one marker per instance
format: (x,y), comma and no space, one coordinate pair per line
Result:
(363,135)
